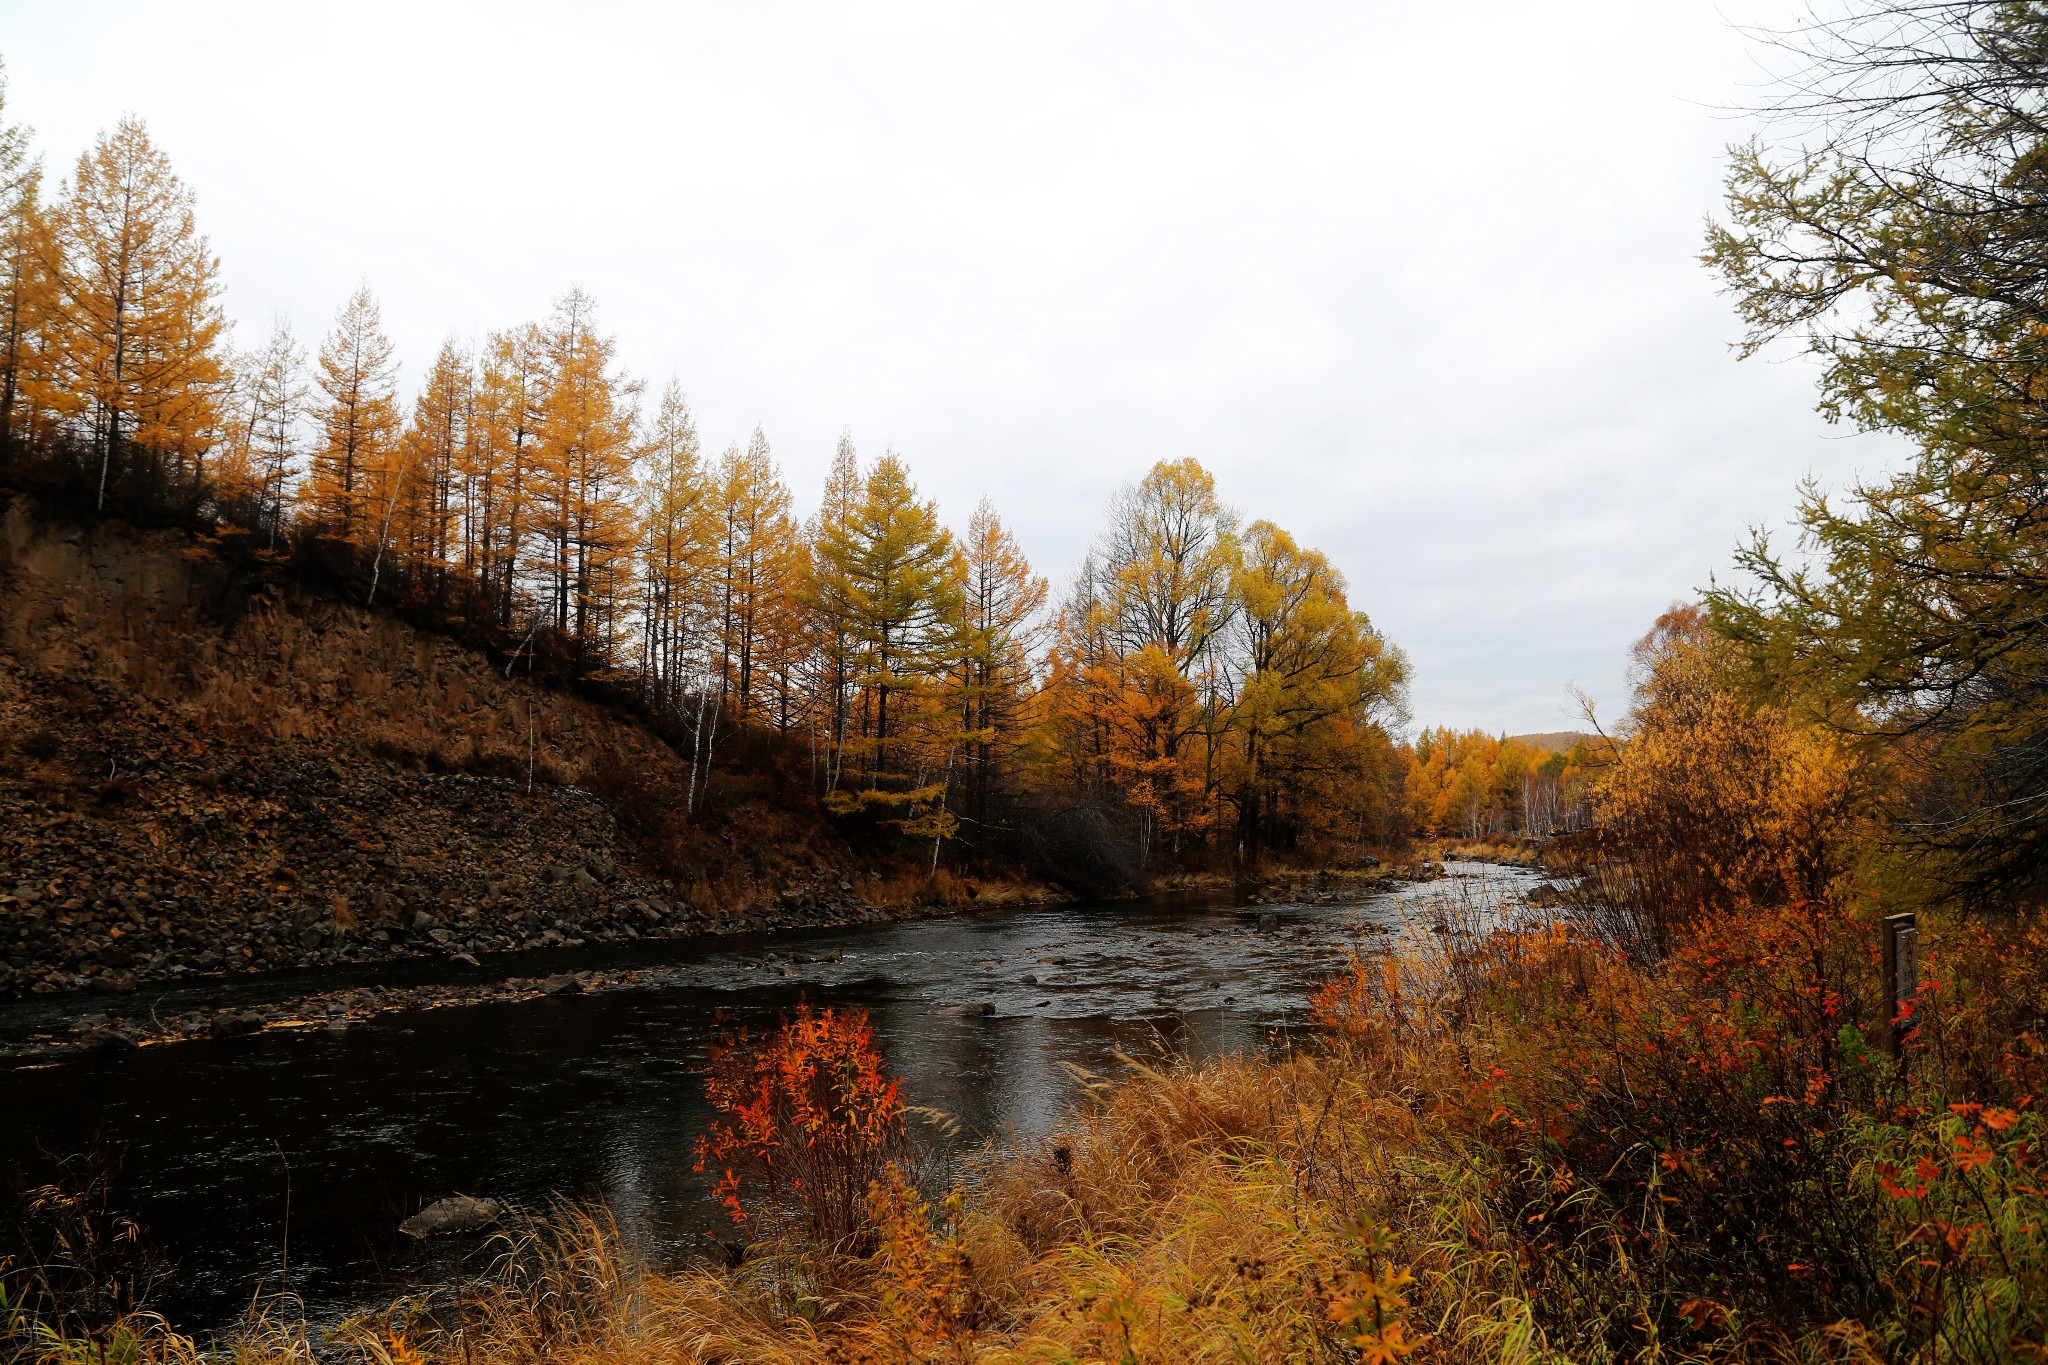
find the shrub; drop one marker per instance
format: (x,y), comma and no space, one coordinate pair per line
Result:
(807,1122)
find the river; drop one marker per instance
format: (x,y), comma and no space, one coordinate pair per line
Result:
(349,1130)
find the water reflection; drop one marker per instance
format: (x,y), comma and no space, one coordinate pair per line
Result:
(596,1096)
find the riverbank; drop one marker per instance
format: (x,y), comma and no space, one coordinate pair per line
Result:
(184,864)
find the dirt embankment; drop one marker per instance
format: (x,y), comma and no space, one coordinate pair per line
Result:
(203,771)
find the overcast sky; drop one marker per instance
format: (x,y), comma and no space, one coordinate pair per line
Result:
(1418,282)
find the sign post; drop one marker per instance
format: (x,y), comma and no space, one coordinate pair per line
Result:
(1901,979)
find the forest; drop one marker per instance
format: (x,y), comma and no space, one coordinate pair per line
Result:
(1759,1081)
(1205,687)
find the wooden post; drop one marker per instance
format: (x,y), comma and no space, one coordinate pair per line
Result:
(1901,978)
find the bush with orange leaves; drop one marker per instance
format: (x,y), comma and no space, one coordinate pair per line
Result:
(807,1122)
(1683,1128)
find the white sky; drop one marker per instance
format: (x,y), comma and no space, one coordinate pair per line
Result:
(1418,282)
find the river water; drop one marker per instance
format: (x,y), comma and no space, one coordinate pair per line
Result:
(599,1096)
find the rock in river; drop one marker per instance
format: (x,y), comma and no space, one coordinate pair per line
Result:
(456,1213)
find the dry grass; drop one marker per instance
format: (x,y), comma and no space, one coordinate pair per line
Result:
(920,888)
(1514,852)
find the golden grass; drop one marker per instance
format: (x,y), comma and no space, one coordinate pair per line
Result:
(1513,851)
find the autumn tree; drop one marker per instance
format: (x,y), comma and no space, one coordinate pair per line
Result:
(889,576)
(25,257)
(1451,791)
(825,589)
(1072,737)
(1313,677)
(1213,683)
(1166,556)
(356,418)
(784,650)
(130,358)
(1157,600)
(749,583)
(415,500)
(1470,784)
(1001,623)
(1896,234)
(499,471)
(1722,802)
(678,542)
(274,395)
(583,507)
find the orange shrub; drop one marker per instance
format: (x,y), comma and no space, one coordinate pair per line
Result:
(1687,1126)
(807,1121)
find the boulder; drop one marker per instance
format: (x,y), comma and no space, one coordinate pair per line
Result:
(228,1024)
(456,1213)
(101,1038)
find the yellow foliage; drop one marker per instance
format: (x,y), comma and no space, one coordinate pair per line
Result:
(1718,802)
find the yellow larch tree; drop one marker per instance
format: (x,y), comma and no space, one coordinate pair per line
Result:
(678,544)
(356,419)
(893,571)
(500,476)
(785,645)
(130,358)
(584,495)
(419,504)
(749,583)
(1001,623)
(824,596)
(25,281)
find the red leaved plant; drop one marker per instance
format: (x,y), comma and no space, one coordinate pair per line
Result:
(805,1122)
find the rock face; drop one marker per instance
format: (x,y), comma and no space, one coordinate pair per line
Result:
(205,772)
